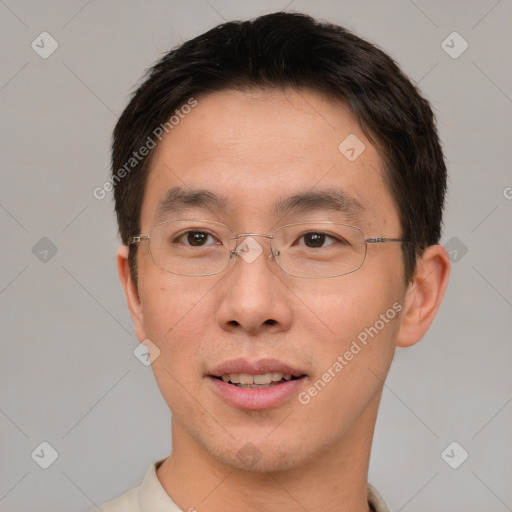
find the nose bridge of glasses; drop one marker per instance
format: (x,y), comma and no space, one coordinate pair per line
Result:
(246,243)
(242,235)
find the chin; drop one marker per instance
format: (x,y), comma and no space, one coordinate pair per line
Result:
(268,463)
(260,455)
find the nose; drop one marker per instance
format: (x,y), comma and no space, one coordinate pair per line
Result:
(254,298)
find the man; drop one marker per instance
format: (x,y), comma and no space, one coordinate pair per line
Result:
(279,186)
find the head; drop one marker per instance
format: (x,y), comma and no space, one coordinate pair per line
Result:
(246,125)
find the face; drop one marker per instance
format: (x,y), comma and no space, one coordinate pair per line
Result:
(327,343)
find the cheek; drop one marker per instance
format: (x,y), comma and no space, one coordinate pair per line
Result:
(177,317)
(345,306)
(354,353)
(171,304)
(355,329)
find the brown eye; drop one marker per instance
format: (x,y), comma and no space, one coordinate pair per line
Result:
(314,240)
(317,240)
(197,238)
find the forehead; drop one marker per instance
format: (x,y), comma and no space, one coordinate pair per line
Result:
(255,149)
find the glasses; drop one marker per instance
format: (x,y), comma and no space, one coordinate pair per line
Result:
(314,250)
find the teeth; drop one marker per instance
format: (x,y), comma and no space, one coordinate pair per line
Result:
(266,378)
(244,378)
(261,379)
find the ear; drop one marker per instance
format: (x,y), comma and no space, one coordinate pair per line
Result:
(424,295)
(130,291)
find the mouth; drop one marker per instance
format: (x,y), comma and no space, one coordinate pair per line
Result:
(262,384)
(258,381)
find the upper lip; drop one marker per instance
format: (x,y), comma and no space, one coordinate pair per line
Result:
(256,367)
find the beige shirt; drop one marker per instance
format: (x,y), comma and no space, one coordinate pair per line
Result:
(150,496)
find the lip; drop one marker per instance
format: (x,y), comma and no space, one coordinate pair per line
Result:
(250,398)
(254,368)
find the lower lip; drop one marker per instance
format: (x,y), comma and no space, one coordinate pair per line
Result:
(256,399)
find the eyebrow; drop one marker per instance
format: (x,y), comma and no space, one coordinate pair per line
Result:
(179,200)
(331,200)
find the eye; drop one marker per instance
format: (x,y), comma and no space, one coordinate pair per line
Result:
(197,239)
(317,239)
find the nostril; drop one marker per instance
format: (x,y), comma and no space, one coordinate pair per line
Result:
(270,321)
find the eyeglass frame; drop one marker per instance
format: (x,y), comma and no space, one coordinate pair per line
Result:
(232,253)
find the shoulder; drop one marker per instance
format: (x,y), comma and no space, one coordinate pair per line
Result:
(149,496)
(128,502)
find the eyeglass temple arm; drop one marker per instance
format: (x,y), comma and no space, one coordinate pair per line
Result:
(137,239)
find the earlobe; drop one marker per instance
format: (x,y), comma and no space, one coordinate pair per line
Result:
(130,291)
(424,295)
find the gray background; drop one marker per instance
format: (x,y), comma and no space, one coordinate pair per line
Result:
(68,375)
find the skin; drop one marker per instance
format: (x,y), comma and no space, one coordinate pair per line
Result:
(254,147)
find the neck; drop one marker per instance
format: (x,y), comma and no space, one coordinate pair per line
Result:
(332,481)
